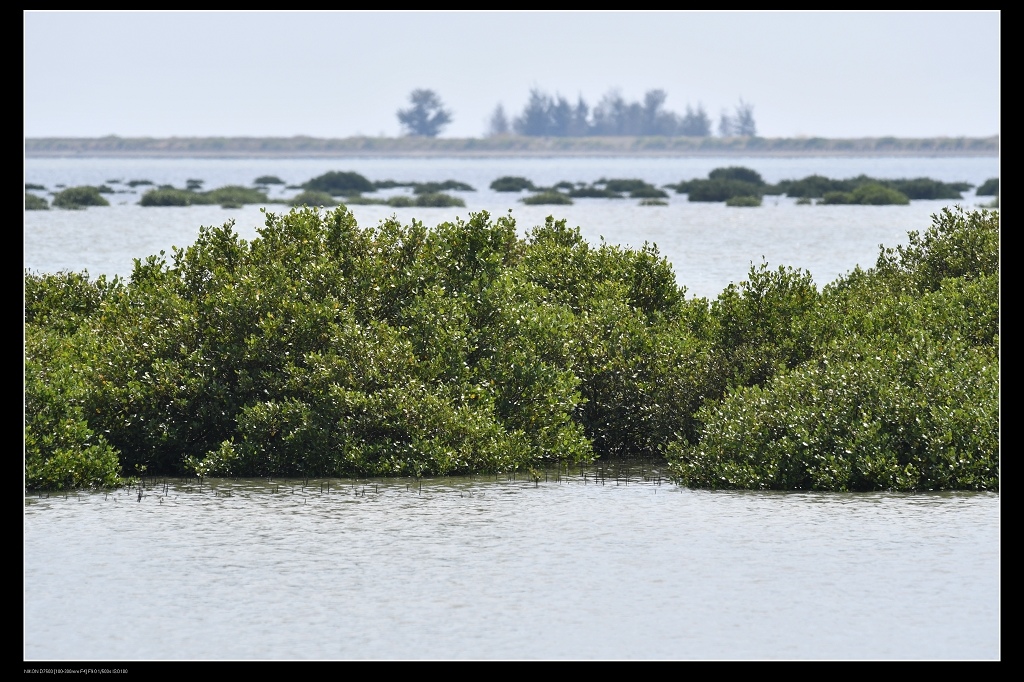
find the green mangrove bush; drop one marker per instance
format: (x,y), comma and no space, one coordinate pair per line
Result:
(989,188)
(34,202)
(895,388)
(818,186)
(511,183)
(550,197)
(323,348)
(438,199)
(340,183)
(313,198)
(592,192)
(230,195)
(79,197)
(743,201)
(872,194)
(439,187)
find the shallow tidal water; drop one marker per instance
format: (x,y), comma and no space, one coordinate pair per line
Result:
(601,567)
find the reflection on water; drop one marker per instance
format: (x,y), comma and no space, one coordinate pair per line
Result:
(593,564)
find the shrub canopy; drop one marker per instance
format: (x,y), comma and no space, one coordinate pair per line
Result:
(79,197)
(322,348)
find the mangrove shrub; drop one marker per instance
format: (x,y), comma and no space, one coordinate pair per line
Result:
(79,197)
(323,348)
(896,387)
(34,202)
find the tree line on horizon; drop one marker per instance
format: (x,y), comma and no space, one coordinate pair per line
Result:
(547,115)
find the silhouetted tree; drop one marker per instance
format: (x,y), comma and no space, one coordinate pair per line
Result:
(695,123)
(536,116)
(614,116)
(580,118)
(744,120)
(499,122)
(427,115)
(555,116)
(560,116)
(726,126)
(657,121)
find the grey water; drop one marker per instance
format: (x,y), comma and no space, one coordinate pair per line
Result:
(485,569)
(588,565)
(710,245)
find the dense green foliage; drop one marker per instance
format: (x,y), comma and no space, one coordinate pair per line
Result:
(311,197)
(547,197)
(592,192)
(737,173)
(325,348)
(871,194)
(437,187)
(62,449)
(511,183)
(743,201)
(722,189)
(563,192)
(438,199)
(434,199)
(637,189)
(171,196)
(895,384)
(926,188)
(79,197)
(229,195)
(989,188)
(340,183)
(319,348)
(818,186)
(34,202)
(235,194)
(723,184)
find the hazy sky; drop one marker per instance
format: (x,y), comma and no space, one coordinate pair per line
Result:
(344,73)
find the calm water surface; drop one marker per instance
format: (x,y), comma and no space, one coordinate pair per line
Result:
(477,568)
(709,244)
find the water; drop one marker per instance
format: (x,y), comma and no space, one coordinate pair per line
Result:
(578,568)
(709,244)
(482,569)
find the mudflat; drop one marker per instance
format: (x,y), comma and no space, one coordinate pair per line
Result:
(516,146)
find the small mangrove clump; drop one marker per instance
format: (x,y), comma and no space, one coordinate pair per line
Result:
(34,202)
(229,196)
(548,197)
(79,197)
(743,201)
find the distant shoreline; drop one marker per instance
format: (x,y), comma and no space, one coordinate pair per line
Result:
(508,146)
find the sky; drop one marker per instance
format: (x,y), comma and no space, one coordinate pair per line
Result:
(838,74)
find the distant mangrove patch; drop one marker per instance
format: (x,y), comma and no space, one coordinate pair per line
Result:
(733,185)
